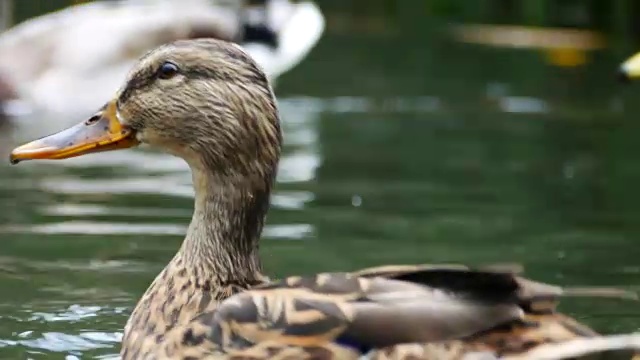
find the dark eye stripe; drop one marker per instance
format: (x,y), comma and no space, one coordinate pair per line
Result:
(145,78)
(137,82)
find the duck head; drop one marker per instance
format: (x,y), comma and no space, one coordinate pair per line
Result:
(203,100)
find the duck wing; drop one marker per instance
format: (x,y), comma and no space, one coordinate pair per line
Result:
(392,312)
(366,313)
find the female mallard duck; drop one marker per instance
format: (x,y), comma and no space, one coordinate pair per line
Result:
(208,102)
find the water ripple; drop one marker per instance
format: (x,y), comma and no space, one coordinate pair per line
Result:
(61,342)
(280,231)
(73,313)
(69,342)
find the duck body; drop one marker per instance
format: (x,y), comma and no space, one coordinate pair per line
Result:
(390,313)
(208,102)
(67,62)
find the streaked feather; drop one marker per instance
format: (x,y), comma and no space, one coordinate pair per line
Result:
(412,312)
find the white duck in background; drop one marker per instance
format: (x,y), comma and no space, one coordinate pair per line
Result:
(52,63)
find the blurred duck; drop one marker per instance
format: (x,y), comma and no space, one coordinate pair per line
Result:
(209,103)
(630,69)
(65,63)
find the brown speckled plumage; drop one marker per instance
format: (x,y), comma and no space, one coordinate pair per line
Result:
(218,112)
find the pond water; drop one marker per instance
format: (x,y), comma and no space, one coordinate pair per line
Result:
(397,150)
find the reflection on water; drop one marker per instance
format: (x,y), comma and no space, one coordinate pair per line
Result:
(36,342)
(472,167)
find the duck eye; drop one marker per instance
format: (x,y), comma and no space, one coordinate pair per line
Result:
(167,70)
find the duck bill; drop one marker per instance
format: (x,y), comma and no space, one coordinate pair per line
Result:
(102,132)
(630,69)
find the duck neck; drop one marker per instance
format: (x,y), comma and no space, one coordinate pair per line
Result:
(223,238)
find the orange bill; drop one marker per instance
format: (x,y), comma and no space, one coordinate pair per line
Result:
(102,132)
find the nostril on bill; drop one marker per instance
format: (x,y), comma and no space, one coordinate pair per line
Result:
(92,120)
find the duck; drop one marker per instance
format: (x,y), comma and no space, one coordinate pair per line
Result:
(63,64)
(208,102)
